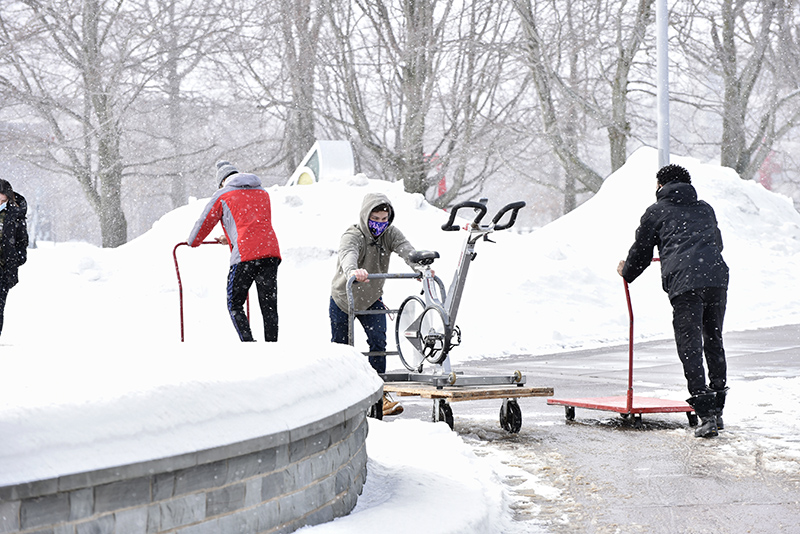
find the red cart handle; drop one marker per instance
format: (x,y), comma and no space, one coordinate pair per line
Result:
(630,344)
(178,272)
(180,284)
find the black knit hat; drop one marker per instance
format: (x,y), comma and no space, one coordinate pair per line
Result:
(673,173)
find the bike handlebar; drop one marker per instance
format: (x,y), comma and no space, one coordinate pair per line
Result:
(514,207)
(450,227)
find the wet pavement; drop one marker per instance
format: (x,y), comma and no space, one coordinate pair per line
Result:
(599,474)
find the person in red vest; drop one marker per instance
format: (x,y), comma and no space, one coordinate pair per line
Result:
(243,207)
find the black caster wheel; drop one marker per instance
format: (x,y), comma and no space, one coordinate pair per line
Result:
(376,410)
(511,416)
(692,418)
(443,412)
(637,422)
(569,412)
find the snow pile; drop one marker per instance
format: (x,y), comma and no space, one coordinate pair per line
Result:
(141,401)
(422,478)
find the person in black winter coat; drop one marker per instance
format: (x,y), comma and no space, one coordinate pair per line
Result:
(695,277)
(13,240)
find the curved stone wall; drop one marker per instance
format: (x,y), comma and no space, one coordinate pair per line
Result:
(275,483)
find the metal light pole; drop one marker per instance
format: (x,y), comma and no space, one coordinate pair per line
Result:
(662,82)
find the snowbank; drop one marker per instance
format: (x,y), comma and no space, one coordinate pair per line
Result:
(102,407)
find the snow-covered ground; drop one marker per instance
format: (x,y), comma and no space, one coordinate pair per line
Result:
(94,329)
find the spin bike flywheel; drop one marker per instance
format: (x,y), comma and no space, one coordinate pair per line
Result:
(422,334)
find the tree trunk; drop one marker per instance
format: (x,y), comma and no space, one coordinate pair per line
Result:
(416,72)
(301,29)
(739,86)
(177,181)
(570,160)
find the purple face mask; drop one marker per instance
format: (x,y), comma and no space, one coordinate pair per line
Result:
(376,227)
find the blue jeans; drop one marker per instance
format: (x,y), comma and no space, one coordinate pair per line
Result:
(374,327)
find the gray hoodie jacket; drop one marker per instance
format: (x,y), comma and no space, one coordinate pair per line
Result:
(359,249)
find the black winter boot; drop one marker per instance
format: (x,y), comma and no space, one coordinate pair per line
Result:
(705,407)
(719,405)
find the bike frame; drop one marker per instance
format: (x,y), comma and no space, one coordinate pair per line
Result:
(352,313)
(477,231)
(447,305)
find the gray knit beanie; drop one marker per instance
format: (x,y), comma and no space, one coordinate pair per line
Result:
(224,169)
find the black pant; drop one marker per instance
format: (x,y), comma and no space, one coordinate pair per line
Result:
(264,272)
(3,296)
(697,317)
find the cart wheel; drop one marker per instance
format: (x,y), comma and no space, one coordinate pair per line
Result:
(692,418)
(376,410)
(569,412)
(443,412)
(452,378)
(517,376)
(510,416)
(637,421)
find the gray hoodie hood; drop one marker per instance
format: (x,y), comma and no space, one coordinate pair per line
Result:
(370,202)
(359,249)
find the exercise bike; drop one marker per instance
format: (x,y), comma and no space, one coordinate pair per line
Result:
(425,330)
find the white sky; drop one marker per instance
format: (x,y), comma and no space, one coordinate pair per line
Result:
(89,332)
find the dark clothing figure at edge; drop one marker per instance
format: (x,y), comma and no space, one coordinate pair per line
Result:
(695,277)
(13,240)
(366,248)
(244,209)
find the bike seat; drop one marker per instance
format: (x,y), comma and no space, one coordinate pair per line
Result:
(423,257)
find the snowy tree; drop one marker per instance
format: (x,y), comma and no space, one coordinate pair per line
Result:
(423,89)
(581,65)
(68,63)
(746,56)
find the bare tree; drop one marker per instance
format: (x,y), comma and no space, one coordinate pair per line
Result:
(271,53)
(628,41)
(483,93)
(744,56)
(423,89)
(183,43)
(583,66)
(301,21)
(546,80)
(78,66)
(384,63)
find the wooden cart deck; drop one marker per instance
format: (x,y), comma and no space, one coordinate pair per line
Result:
(464,393)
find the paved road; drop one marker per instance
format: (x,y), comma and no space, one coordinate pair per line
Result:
(598,474)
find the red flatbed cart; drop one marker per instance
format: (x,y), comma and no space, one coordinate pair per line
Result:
(628,405)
